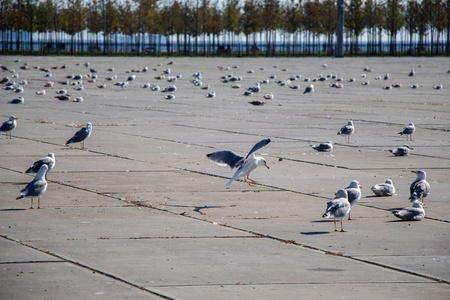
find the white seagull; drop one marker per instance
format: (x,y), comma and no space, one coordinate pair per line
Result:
(81,135)
(420,188)
(9,126)
(347,130)
(244,165)
(408,131)
(404,150)
(353,193)
(414,213)
(384,189)
(338,208)
(36,187)
(323,147)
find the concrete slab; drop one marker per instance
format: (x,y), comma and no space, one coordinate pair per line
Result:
(145,210)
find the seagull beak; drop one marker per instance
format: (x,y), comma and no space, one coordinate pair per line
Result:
(360,186)
(267,167)
(411,148)
(413,171)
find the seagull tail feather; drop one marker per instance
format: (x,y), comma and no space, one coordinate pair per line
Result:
(20,197)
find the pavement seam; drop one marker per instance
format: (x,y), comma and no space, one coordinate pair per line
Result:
(48,252)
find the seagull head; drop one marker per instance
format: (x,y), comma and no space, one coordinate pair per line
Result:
(420,174)
(341,194)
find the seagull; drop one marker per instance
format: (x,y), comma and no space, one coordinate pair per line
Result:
(170,96)
(268,96)
(438,87)
(131,77)
(245,165)
(49,160)
(155,88)
(420,188)
(63,97)
(81,135)
(408,131)
(41,92)
(384,189)
(8,126)
(404,150)
(414,213)
(338,208)
(412,73)
(257,102)
(353,193)
(309,89)
(323,147)
(78,99)
(18,100)
(210,95)
(347,130)
(386,77)
(35,188)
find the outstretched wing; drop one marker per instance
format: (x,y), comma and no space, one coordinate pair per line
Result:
(225,158)
(258,146)
(235,176)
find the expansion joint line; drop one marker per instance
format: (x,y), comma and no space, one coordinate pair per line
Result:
(86,267)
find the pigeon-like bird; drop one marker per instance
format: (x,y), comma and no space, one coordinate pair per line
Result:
(35,188)
(81,135)
(338,208)
(244,165)
(420,188)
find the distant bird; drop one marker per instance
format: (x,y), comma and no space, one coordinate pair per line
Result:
(244,165)
(61,92)
(78,99)
(63,97)
(412,73)
(338,208)
(247,93)
(81,135)
(18,100)
(366,82)
(309,89)
(19,89)
(170,88)
(155,88)
(408,131)
(404,150)
(387,87)
(323,147)
(414,213)
(294,87)
(257,102)
(41,92)
(131,77)
(384,189)
(420,188)
(9,126)
(49,160)
(35,188)
(414,86)
(268,96)
(210,95)
(396,85)
(347,130)
(170,96)
(49,84)
(353,193)
(438,87)
(386,77)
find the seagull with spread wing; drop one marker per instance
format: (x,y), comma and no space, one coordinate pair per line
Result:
(244,165)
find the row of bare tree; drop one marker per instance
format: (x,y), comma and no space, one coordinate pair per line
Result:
(204,27)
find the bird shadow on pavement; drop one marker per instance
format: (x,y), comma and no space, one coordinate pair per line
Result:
(198,209)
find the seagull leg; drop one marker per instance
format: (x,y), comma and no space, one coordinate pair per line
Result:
(249,183)
(342,227)
(349,216)
(253,181)
(39,202)
(335,229)
(31,207)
